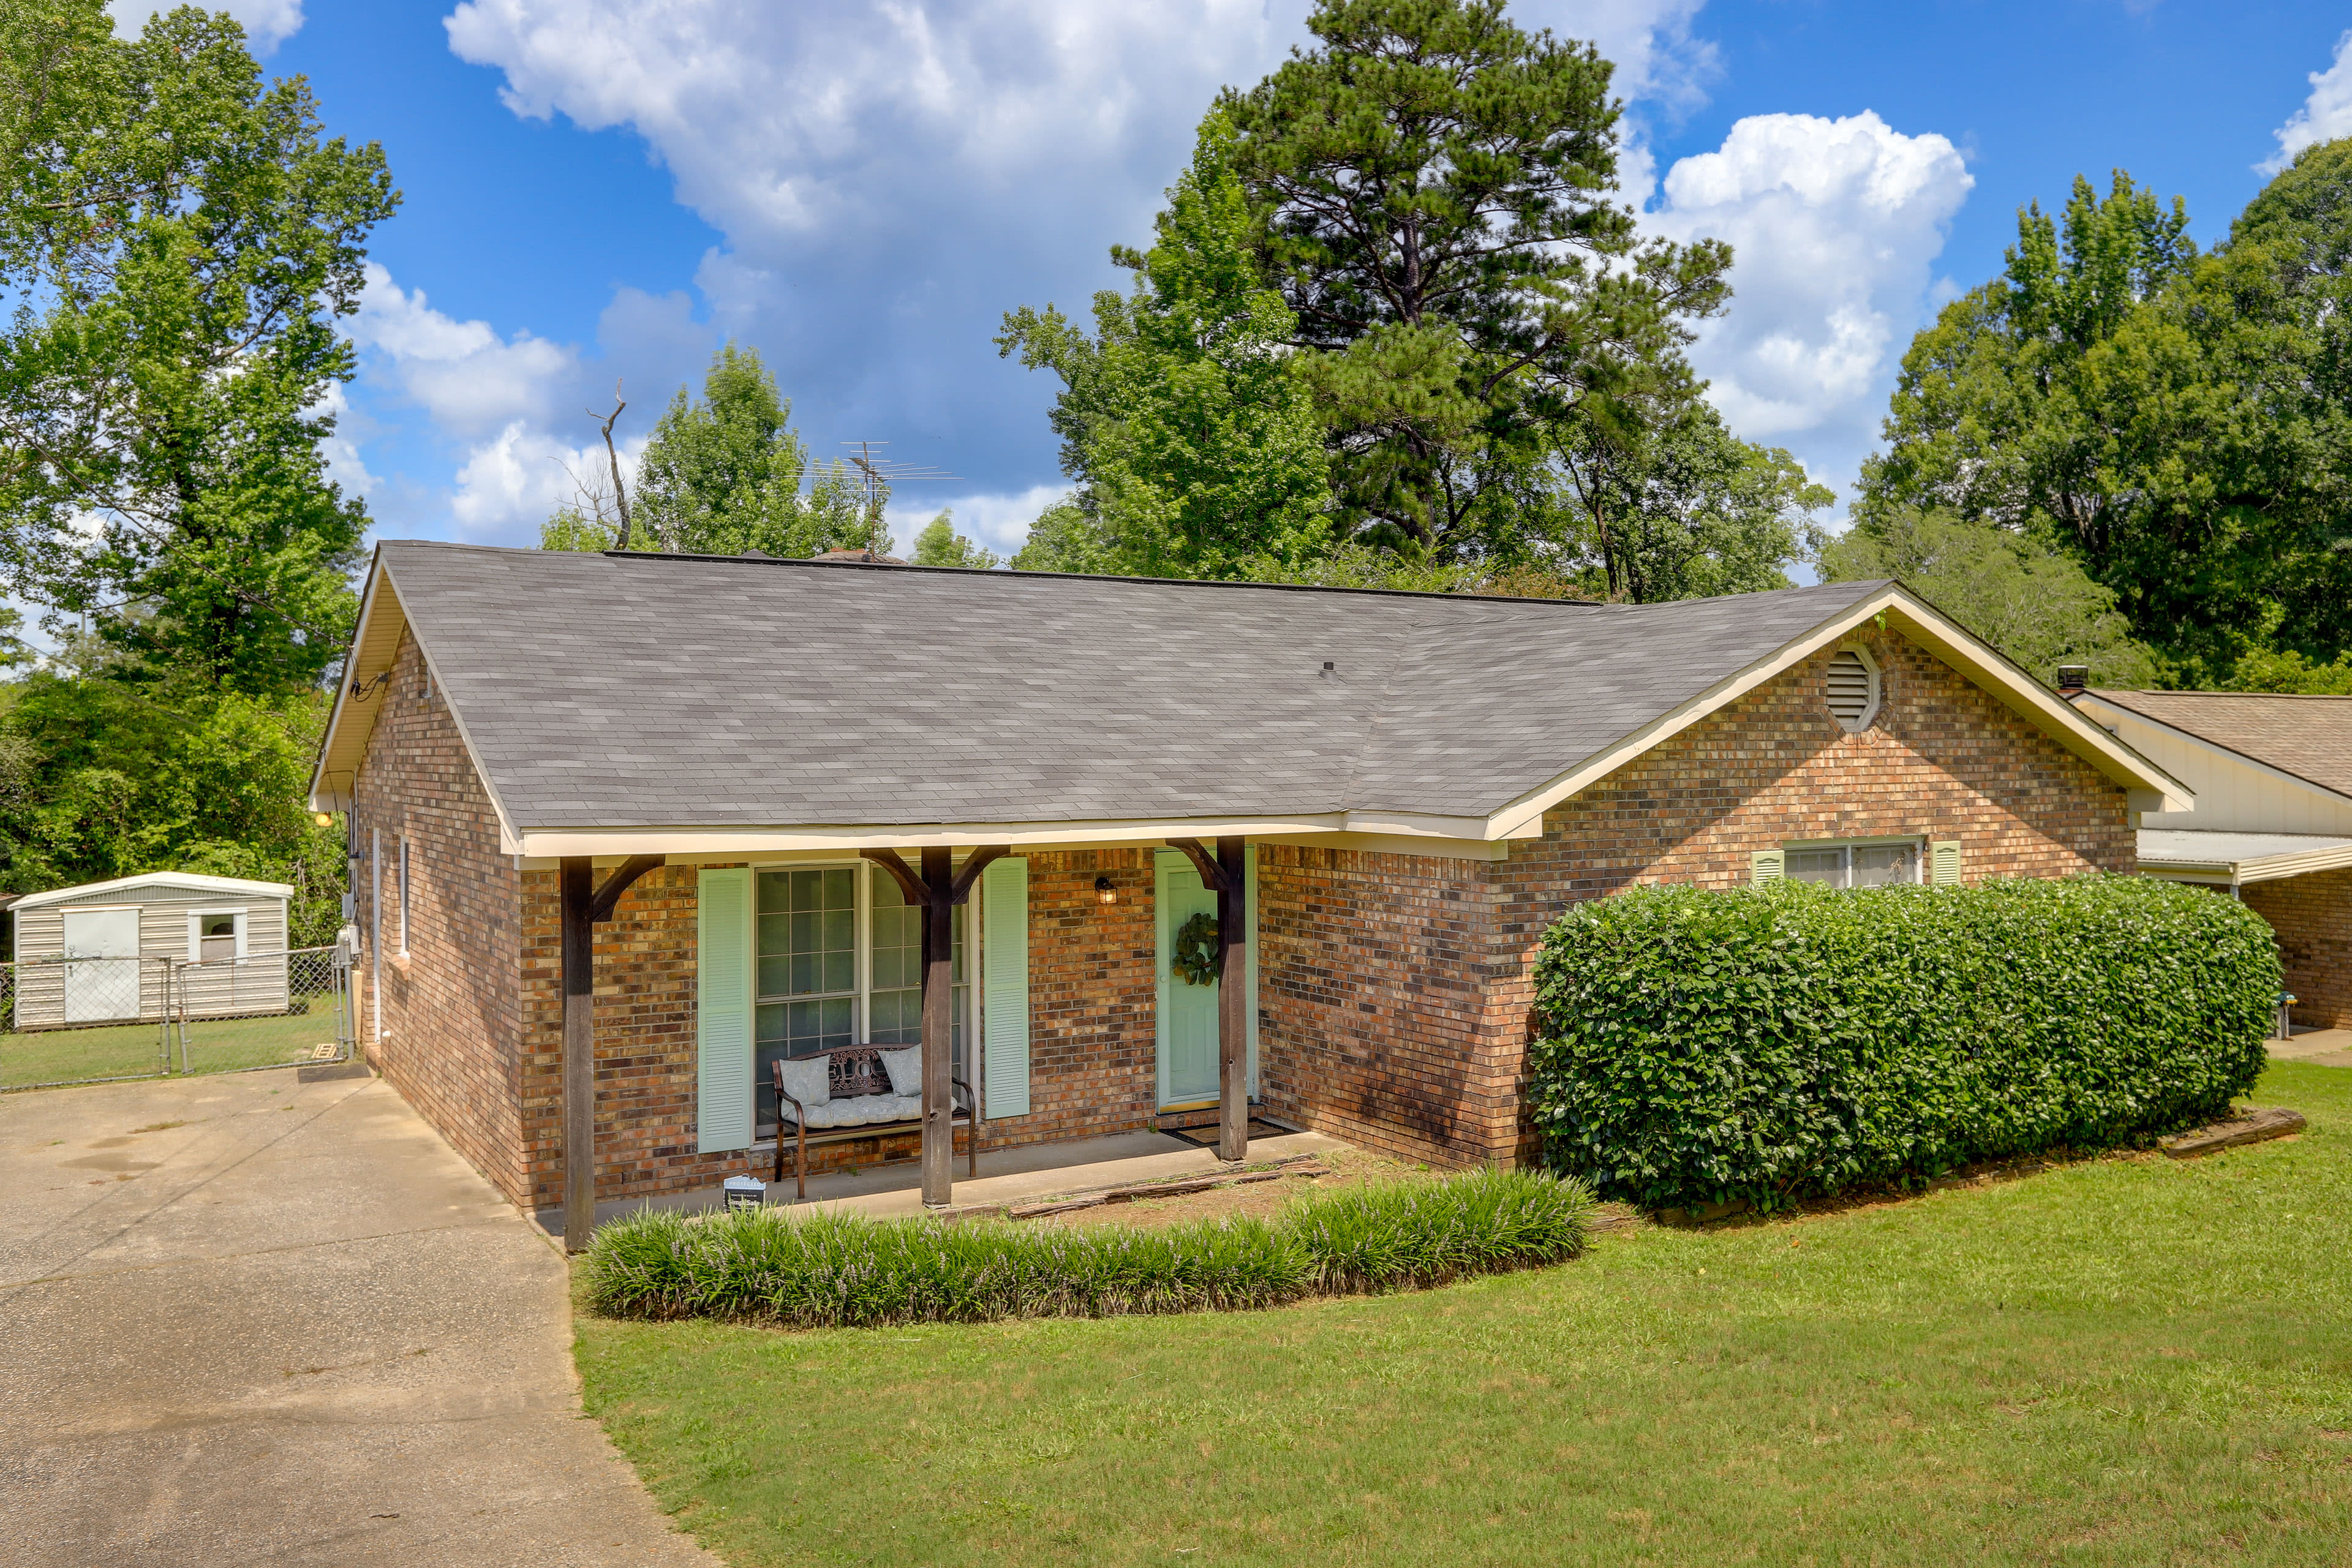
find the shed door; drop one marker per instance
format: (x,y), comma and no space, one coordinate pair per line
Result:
(102,971)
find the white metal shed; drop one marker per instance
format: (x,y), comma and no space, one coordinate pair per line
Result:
(93,954)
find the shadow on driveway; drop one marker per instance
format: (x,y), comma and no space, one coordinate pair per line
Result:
(250,1320)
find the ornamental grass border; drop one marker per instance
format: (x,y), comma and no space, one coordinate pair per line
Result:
(831,1269)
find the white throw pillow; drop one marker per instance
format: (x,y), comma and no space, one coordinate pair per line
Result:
(905,1069)
(808,1080)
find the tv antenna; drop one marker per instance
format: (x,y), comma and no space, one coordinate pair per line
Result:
(880,473)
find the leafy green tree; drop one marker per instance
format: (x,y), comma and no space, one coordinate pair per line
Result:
(1436,187)
(1184,415)
(178,239)
(939,544)
(725,473)
(2033,603)
(1688,510)
(1067,537)
(2177,423)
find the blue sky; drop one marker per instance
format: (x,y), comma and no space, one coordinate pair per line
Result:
(609,188)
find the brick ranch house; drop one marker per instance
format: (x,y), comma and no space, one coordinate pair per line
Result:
(1413,787)
(2271,821)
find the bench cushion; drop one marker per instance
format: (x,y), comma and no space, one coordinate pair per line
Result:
(863,1110)
(905,1069)
(809,1081)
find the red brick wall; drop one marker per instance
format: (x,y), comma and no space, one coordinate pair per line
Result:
(2312,917)
(451,1007)
(1372,983)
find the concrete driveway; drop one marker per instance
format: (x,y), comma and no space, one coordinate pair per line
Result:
(245,1318)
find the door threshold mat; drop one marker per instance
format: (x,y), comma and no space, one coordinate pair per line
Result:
(1204,1136)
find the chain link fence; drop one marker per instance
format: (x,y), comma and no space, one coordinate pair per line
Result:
(93,1020)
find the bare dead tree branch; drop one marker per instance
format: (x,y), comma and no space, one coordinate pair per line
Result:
(620,492)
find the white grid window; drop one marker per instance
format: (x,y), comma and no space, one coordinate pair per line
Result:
(403,897)
(838,961)
(1876,864)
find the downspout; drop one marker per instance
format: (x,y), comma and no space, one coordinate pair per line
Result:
(375,938)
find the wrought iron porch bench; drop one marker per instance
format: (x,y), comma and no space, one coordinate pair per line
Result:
(859,1100)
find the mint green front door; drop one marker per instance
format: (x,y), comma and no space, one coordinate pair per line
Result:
(1187,1032)
(1188,1014)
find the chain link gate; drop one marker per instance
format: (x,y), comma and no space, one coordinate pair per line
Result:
(97,1020)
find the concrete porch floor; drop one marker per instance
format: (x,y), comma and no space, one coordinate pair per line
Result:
(1006,1175)
(2329,1048)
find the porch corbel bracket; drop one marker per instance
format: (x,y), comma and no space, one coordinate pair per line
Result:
(978,862)
(606,898)
(1213,875)
(918,893)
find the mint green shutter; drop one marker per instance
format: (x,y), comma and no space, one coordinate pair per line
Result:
(1944,863)
(1004,982)
(1766,865)
(722,1117)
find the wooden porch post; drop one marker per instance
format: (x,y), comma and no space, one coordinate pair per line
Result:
(939,1025)
(937,892)
(579,1053)
(584,904)
(1234,1001)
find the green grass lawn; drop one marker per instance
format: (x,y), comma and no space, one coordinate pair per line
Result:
(2126,1360)
(214,1044)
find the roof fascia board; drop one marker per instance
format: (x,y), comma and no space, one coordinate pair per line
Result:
(194,880)
(323,797)
(539,843)
(1357,843)
(2263,869)
(2016,690)
(2214,748)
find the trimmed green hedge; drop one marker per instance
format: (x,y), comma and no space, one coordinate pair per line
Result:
(1766,1045)
(840,1270)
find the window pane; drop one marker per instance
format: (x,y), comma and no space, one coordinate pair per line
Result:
(839,889)
(1823,866)
(804,889)
(768,1029)
(1884,865)
(775,892)
(898,1017)
(775,978)
(840,971)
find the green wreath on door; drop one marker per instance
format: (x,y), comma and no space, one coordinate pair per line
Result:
(1194,958)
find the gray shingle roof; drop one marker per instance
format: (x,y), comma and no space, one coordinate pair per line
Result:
(603,691)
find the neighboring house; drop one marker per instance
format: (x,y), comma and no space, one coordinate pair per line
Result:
(1423,783)
(115,935)
(2272,820)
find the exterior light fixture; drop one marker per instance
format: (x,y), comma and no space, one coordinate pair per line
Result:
(323,820)
(1105,891)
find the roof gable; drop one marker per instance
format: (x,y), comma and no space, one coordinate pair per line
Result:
(191,881)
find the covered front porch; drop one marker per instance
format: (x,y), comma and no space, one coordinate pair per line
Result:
(791,1014)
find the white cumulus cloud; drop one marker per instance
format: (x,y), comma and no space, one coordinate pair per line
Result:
(515,406)
(2325,115)
(1834,226)
(891,178)
(267,23)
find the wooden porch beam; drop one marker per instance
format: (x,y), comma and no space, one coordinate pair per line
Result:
(1212,873)
(901,873)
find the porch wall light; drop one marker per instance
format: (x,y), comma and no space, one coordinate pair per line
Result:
(1105,891)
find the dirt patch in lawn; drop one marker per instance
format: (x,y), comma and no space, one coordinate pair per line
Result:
(1258,1200)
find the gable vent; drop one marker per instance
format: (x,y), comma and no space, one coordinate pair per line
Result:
(1853,688)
